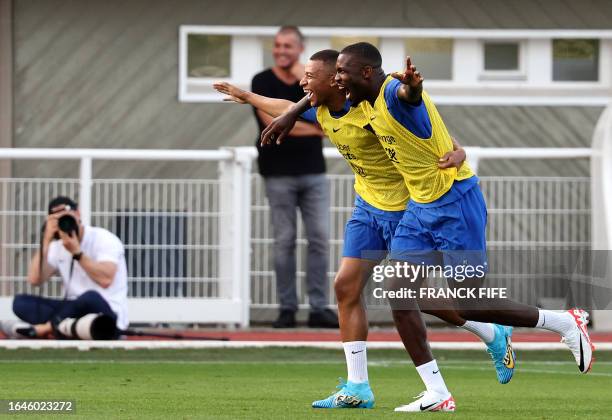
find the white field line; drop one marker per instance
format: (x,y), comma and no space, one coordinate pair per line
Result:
(196,344)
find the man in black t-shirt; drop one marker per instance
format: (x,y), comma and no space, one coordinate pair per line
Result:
(294,176)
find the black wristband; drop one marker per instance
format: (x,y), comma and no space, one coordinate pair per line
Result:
(77,256)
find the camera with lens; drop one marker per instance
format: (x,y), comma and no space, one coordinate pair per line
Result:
(93,326)
(67,224)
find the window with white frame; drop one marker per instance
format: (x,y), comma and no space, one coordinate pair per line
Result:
(461,66)
(502,60)
(208,55)
(575,60)
(432,56)
(501,56)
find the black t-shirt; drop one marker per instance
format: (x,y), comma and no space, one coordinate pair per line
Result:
(296,155)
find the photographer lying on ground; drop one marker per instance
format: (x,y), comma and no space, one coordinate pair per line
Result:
(92,265)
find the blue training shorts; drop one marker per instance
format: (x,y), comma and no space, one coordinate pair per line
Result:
(369,231)
(453,232)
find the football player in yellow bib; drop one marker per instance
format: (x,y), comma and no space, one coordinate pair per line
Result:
(446,216)
(381,199)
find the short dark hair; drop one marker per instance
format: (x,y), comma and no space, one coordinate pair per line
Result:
(292,29)
(367,52)
(328,57)
(58,201)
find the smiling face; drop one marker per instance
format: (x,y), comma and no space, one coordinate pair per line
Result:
(352,77)
(318,82)
(287,49)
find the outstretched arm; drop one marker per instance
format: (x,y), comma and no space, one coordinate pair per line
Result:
(271,106)
(412,83)
(266,108)
(280,126)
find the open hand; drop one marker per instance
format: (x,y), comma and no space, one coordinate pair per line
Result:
(234,94)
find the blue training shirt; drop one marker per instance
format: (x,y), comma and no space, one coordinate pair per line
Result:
(413,117)
(311,114)
(416,119)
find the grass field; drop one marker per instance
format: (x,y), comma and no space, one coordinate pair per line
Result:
(281,383)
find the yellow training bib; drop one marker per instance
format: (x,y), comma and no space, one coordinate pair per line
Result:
(416,158)
(376,179)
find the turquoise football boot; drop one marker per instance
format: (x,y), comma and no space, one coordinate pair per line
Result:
(349,395)
(502,353)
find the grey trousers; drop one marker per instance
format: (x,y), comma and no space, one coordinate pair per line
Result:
(309,193)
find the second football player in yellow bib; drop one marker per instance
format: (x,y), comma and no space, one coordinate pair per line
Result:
(416,158)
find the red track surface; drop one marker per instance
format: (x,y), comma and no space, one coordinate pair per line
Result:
(322,335)
(387,335)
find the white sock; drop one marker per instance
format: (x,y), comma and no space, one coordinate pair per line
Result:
(356,361)
(557,322)
(432,378)
(484,330)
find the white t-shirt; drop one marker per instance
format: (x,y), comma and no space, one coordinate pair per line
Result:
(100,245)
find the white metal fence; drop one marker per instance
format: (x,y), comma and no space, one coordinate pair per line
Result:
(181,236)
(170,229)
(526,212)
(197,248)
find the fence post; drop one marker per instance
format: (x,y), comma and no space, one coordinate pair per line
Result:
(473,157)
(242,283)
(235,229)
(85,190)
(601,208)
